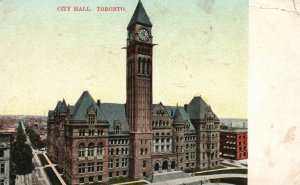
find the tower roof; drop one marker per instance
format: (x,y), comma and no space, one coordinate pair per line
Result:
(177,118)
(140,16)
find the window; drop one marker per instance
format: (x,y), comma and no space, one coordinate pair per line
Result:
(139,65)
(100,149)
(91,119)
(144,164)
(117,163)
(100,178)
(1,153)
(1,182)
(117,130)
(122,151)
(90,167)
(112,151)
(99,166)
(91,149)
(81,150)
(81,132)
(111,163)
(124,172)
(81,168)
(110,174)
(2,168)
(144,174)
(81,180)
(117,174)
(91,179)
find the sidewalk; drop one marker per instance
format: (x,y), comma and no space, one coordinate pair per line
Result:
(54,169)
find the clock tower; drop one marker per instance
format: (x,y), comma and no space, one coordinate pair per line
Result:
(139,93)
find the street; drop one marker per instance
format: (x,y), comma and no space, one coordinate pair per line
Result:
(38,176)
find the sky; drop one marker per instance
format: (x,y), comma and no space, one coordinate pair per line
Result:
(47,55)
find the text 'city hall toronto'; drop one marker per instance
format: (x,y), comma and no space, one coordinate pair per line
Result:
(94,141)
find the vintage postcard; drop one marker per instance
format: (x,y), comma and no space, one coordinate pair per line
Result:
(124,92)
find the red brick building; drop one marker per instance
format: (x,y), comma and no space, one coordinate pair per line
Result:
(234,144)
(94,141)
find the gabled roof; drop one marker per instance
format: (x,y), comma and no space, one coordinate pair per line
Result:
(115,113)
(139,16)
(82,106)
(159,106)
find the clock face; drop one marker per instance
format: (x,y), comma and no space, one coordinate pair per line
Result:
(144,34)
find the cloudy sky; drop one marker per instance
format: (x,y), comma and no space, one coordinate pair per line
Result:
(47,55)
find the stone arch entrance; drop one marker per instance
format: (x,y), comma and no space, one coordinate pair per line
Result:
(173,165)
(156,167)
(165,165)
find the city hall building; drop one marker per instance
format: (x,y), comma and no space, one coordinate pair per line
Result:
(94,141)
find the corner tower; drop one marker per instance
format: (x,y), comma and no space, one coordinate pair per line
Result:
(139,92)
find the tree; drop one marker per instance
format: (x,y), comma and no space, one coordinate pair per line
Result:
(22,154)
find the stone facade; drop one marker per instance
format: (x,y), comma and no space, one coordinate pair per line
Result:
(5,147)
(96,141)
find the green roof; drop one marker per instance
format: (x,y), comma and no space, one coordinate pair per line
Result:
(139,16)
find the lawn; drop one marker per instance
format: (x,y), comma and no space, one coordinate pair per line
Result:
(120,180)
(59,170)
(226,171)
(237,181)
(194,170)
(52,176)
(43,159)
(229,165)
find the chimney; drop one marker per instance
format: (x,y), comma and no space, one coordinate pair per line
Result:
(186,107)
(98,103)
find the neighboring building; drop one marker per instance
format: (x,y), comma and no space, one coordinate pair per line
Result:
(95,141)
(234,144)
(5,147)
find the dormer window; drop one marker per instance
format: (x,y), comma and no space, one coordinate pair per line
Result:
(117,130)
(91,119)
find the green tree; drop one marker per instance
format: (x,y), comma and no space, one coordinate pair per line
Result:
(22,154)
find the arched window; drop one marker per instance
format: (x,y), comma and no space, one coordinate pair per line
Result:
(91,149)
(81,149)
(126,151)
(146,151)
(144,66)
(177,139)
(142,151)
(112,151)
(122,151)
(148,66)
(100,149)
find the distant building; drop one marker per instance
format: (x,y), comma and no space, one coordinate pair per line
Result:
(234,144)
(96,141)
(5,148)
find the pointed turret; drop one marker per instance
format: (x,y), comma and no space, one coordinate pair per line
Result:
(139,16)
(178,118)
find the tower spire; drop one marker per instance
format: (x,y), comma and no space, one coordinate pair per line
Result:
(139,16)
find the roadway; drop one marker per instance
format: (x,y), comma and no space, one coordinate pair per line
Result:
(38,176)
